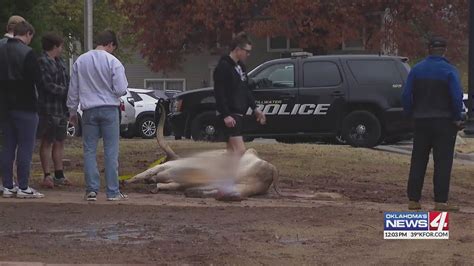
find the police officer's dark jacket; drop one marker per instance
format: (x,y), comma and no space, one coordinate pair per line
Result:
(433,90)
(232,91)
(19,74)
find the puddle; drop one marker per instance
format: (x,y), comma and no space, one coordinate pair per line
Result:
(113,234)
(120,233)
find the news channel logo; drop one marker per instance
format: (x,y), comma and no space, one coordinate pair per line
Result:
(416,225)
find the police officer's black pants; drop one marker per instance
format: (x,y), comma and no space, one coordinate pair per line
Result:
(439,135)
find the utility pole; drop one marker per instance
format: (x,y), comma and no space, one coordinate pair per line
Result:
(469,130)
(88,10)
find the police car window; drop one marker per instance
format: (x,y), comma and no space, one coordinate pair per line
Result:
(321,74)
(280,75)
(375,71)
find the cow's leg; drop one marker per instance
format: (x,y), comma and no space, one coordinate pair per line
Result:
(201,192)
(168,186)
(148,175)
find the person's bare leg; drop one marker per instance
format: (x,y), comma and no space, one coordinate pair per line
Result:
(45,149)
(238,145)
(229,147)
(58,151)
(236,148)
(58,154)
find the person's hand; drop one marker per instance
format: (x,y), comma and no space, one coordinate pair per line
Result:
(459,125)
(229,121)
(73,119)
(260,117)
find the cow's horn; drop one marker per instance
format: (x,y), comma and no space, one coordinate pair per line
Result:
(170,154)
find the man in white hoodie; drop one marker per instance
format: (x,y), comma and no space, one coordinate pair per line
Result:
(97,82)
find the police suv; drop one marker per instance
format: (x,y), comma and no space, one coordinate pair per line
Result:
(309,97)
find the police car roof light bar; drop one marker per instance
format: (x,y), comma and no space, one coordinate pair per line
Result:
(301,54)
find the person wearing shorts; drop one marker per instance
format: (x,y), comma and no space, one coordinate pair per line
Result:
(233,95)
(53,112)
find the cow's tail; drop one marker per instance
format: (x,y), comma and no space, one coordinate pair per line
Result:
(276,181)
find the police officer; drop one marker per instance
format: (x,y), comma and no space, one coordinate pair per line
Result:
(433,97)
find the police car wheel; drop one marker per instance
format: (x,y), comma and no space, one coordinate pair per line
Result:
(361,129)
(204,127)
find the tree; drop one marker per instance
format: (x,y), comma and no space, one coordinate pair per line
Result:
(407,25)
(170,29)
(66,17)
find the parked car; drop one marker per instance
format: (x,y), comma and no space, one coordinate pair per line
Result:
(127,117)
(306,97)
(145,105)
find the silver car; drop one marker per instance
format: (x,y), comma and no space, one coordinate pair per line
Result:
(127,118)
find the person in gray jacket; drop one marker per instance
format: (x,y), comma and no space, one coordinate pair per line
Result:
(97,82)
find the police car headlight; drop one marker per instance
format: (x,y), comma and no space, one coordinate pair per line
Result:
(176,105)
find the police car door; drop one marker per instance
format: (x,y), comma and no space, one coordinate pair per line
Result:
(275,96)
(321,96)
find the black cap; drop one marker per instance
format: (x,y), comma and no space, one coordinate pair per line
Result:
(437,42)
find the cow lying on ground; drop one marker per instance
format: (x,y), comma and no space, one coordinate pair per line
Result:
(208,175)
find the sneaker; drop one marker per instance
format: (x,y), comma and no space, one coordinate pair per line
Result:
(414,205)
(445,207)
(91,196)
(119,196)
(62,181)
(10,193)
(28,193)
(47,182)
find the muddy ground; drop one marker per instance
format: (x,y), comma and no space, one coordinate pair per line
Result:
(168,228)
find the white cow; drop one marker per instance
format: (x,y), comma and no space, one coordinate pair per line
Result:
(210,173)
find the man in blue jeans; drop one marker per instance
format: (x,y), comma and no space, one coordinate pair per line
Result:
(97,83)
(19,78)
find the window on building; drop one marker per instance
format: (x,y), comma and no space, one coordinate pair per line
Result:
(166,84)
(356,43)
(279,44)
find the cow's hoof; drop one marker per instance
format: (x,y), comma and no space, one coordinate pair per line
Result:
(229,196)
(155,190)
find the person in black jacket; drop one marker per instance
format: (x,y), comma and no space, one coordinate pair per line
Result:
(233,95)
(19,75)
(12,21)
(433,97)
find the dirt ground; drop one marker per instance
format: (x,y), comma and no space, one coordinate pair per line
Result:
(167,228)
